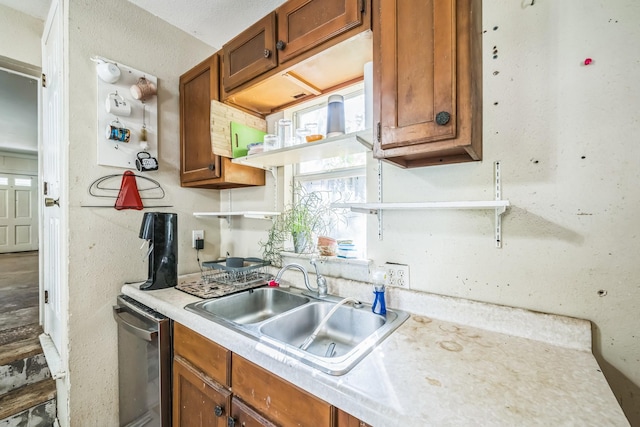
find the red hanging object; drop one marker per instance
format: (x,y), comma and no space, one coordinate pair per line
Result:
(128,197)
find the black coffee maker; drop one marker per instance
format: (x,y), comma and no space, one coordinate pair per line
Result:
(161,230)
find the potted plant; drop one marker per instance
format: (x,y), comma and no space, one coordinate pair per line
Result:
(309,216)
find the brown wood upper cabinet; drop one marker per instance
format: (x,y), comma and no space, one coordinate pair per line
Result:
(251,53)
(428,84)
(198,87)
(320,46)
(304,24)
(199,167)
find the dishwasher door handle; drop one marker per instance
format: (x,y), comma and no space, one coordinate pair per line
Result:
(138,332)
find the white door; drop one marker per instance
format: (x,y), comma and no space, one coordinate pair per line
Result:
(53,162)
(18,213)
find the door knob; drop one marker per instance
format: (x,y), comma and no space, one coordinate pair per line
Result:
(49,202)
(281,45)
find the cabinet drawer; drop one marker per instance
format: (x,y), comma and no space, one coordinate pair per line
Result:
(209,357)
(304,24)
(250,54)
(275,398)
(197,401)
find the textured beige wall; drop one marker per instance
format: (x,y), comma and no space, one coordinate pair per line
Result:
(103,243)
(21,34)
(567,139)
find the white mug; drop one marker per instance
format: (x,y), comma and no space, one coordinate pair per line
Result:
(108,72)
(115,104)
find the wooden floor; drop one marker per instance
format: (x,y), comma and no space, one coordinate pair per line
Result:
(18,296)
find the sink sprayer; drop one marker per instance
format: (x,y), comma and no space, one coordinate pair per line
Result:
(305,345)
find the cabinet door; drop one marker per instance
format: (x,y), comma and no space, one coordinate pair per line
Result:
(417,71)
(197,400)
(242,415)
(428,81)
(275,398)
(250,54)
(304,24)
(198,87)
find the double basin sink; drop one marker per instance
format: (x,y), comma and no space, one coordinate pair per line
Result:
(285,319)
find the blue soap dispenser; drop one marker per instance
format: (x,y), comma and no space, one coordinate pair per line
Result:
(378,277)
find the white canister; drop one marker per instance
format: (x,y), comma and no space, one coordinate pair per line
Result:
(368,95)
(335,116)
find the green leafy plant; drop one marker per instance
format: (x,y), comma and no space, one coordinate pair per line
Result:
(310,215)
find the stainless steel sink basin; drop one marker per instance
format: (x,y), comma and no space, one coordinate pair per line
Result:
(344,330)
(284,319)
(252,306)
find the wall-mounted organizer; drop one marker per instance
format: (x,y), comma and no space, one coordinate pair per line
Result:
(127,115)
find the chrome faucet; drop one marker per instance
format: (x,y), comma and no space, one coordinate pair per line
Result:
(321,282)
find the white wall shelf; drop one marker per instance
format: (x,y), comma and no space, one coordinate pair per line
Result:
(357,142)
(245,214)
(372,208)
(498,205)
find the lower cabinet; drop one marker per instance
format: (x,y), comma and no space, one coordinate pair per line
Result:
(198,401)
(214,387)
(242,415)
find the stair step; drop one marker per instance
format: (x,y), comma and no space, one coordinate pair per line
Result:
(19,333)
(24,398)
(22,365)
(18,350)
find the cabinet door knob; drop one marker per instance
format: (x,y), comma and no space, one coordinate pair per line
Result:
(218,410)
(281,45)
(231,422)
(442,118)
(212,167)
(267,53)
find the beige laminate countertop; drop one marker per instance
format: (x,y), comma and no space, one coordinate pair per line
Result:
(453,363)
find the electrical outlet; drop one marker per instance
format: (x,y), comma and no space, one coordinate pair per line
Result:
(397,275)
(196,235)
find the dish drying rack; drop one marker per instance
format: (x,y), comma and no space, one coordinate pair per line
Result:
(253,273)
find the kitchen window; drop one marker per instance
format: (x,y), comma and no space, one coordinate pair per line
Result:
(340,179)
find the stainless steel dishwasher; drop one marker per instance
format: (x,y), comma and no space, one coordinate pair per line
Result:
(144,364)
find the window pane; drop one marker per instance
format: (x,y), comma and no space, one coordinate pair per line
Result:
(354,122)
(4,180)
(351,226)
(22,182)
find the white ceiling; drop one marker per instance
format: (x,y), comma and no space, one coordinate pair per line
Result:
(36,8)
(213,21)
